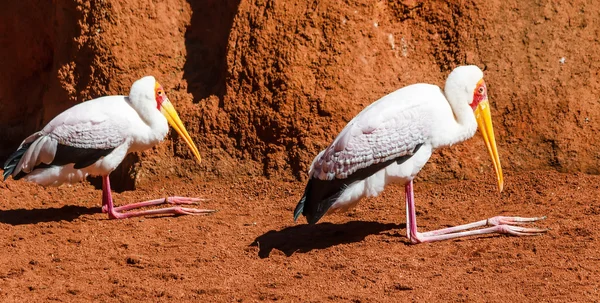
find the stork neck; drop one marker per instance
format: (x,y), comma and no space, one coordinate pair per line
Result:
(154,120)
(456,126)
(150,116)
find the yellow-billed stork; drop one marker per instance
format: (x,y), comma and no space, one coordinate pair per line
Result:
(392,139)
(93,138)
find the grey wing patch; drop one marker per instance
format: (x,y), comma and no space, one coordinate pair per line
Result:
(366,145)
(103,135)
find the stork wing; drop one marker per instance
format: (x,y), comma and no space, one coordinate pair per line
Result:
(76,136)
(99,134)
(373,137)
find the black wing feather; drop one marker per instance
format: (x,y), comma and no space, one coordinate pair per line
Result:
(81,157)
(319,195)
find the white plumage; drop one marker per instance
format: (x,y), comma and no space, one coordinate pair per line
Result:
(93,138)
(102,124)
(392,139)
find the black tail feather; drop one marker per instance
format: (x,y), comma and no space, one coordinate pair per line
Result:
(318,197)
(80,157)
(13,160)
(299,208)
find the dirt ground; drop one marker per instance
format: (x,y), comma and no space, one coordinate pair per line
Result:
(262,86)
(58,247)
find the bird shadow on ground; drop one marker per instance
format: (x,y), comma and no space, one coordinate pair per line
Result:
(33,216)
(304,238)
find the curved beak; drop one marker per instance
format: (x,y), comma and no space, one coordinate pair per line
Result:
(169,112)
(484,121)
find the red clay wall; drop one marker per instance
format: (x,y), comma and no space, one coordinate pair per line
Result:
(264,85)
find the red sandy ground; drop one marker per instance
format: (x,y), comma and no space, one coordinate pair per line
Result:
(262,87)
(58,247)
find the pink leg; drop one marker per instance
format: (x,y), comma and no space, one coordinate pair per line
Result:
(106,195)
(498,224)
(115,212)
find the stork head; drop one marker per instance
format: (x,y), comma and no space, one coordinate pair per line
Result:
(148,95)
(466,83)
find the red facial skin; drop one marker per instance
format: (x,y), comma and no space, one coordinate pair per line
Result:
(159,94)
(479,94)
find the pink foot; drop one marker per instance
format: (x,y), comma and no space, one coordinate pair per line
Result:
(499,225)
(177,210)
(175,200)
(169,200)
(118,212)
(501,220)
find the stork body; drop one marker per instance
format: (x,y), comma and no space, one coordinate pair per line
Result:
(93,138)
(392,139)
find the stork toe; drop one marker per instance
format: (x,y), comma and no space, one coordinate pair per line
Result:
(502,220)
(519,231)
(176,200)
(190,211)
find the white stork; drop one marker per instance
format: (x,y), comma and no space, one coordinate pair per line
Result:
(391,140)
(93,138)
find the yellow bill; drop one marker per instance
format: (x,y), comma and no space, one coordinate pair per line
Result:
(169,112)
(484,121)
